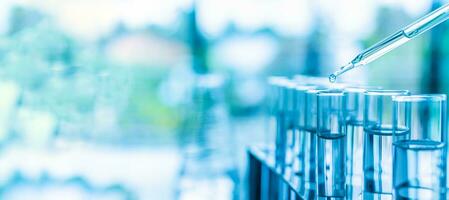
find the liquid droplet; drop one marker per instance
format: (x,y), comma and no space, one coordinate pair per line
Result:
(332,78)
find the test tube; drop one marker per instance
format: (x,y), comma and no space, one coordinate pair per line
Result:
(288,99)
(291,116)
(281,124)
(308,163)
(299,124)
(331,144)
(269,182)
(355,102)
(420,144)
(378,141)
(273,92)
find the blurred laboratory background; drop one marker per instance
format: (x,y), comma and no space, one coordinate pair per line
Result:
(151,99)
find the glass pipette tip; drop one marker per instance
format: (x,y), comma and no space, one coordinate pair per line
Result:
(343,69)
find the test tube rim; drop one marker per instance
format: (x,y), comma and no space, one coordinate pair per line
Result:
(421,98)
(360,89)
(290,84)
(312,79)
(330,92)
(387,92)
(319,81)
(315,91)
(303,88)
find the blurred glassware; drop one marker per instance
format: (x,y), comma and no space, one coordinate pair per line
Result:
(47,186)
(208,168)
(10,94)
(71,95)
(109,105)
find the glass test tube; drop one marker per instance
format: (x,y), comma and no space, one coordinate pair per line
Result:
(377,146)
(288,99)
(300,91)
(290,120)
(281,124)
(304,83)
(331,144)
(274,86)
(355,103)
(269,181)
(309,140)
(420,143)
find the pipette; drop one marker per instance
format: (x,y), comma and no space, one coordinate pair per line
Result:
(397,39)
